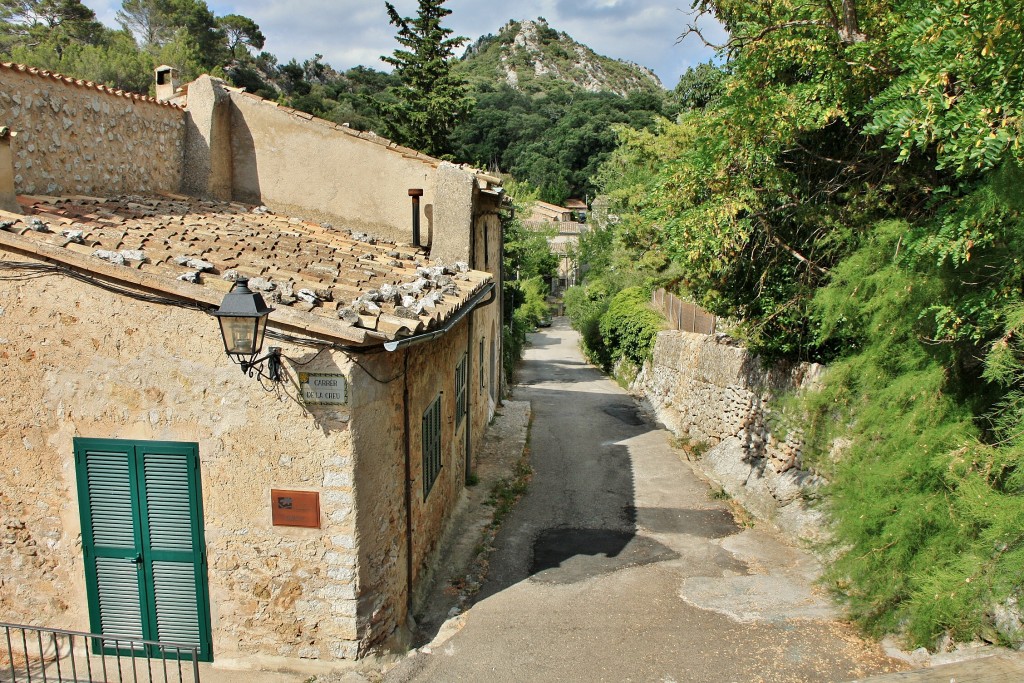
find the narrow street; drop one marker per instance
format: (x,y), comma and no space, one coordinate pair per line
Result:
(619,565)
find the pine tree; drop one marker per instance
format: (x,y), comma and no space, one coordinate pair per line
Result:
(431,100)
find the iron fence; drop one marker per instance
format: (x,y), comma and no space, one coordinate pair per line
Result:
(30,653)
(683,315)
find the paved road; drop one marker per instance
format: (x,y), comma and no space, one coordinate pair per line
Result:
(619,566)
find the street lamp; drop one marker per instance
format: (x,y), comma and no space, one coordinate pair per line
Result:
(243,323)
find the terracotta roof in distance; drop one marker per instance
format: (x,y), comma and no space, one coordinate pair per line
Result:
(361,286)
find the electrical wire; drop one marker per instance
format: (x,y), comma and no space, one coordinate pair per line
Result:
(24,271)
(33,271)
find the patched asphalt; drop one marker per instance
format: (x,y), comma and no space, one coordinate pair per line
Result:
(618,565)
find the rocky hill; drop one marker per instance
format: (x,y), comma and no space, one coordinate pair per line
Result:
(530,55)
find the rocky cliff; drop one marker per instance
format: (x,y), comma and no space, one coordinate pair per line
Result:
(530,55)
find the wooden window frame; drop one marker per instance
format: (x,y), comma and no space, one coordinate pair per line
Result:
(461,380)
(431,439)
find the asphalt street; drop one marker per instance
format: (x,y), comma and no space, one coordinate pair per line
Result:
(619,564)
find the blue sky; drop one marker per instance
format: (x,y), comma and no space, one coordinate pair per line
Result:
(352,32)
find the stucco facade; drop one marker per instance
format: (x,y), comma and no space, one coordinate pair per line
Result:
(96,350)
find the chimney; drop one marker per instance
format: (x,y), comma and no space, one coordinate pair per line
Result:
(416,194)
(167,82)
(8,198)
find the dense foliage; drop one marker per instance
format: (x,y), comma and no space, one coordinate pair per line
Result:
(527,268)
(846,185)
(555,139)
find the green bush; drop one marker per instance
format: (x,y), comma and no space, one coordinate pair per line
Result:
(585,305)
(930,519)
(630,326)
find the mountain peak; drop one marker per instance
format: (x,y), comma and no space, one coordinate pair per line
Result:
(525,54)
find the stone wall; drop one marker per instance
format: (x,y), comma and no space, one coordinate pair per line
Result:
(414,376)
(717,397)
(79,138)
(79,361)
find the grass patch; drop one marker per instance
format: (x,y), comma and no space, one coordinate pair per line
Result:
(692,449)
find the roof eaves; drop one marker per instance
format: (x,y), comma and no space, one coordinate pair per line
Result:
(311,324)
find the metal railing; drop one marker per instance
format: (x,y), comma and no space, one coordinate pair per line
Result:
(683,315)
(30,653)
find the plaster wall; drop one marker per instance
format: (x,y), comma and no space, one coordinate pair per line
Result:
(304,166)
(79,361)
(488,323)
(718,398)
(77,139)
(208,169)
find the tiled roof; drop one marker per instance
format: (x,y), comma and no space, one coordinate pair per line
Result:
(321,279)
(69,80)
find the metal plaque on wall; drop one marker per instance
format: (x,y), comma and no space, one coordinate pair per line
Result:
(295,508)
(322,388)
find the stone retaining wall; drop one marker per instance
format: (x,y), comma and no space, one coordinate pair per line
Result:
(715,395)
(79,138)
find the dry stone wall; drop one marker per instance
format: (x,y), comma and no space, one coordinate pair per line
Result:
(76,138)
(715,395)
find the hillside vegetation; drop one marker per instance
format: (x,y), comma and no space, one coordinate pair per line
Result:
(846,186)
(544,104)
(532,56)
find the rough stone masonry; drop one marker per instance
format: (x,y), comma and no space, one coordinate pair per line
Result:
(714,393)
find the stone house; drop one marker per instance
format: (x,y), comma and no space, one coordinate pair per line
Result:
(543,212)
(150,488)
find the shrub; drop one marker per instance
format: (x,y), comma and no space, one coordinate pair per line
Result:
(585,306)
(630,326)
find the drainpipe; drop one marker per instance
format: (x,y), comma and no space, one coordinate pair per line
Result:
(416,194)
(469,398)
(408,491)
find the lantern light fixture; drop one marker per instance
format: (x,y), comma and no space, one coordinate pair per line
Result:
(243,325)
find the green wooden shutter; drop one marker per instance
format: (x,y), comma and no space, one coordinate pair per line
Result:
(171,542)
(142,537)
(110,538)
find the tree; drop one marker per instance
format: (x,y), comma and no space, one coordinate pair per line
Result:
(54,22)
(242,33)
(158,22)
(431,100)
(699,86)
(146,20)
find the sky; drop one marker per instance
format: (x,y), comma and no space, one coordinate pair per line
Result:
(356,32)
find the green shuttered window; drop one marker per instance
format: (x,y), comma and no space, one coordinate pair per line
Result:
(431,445)
(142,538)
(461,379)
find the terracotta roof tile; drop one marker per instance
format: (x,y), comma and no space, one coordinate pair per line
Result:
(358,284)
(53,76)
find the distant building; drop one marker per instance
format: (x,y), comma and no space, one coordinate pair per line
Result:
(152,489)
(549,213)
(579,209)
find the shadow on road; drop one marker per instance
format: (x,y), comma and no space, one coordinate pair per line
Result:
(579,518)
